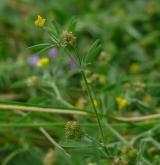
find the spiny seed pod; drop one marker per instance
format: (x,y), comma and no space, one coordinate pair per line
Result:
(67,39)
(73,130)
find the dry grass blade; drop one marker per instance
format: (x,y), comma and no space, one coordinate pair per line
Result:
(138,118)
(40,109)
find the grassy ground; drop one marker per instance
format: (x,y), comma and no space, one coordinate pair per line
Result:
(80,84)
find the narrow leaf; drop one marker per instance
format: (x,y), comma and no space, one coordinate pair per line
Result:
(93,51)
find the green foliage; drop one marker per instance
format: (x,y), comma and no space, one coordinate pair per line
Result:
(114,46)
(92,53)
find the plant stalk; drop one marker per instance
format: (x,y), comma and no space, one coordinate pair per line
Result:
(93,105)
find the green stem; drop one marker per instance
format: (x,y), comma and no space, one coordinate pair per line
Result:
(59,97)
(93,105)
(12,155)
(48,136)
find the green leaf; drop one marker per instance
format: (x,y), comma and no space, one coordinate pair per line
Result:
(45,49)
(39,45)
(92,53)
(54,33)
(72,25)
(56,27)
(74,144)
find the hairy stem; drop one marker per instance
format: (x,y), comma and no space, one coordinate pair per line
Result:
(93,105)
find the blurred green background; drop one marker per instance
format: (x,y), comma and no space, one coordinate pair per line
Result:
(128,66)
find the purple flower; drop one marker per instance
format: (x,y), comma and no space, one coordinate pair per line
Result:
(32,60)
(72,64)
(53,52)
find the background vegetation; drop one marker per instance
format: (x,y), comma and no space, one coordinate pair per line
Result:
(124,79)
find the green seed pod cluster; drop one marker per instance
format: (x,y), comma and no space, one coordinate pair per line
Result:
(73,130)
(68,39)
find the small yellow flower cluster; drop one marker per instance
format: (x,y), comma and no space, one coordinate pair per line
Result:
(91,78)
(40,21)
(95,102)
(102,79)
(94,77)
(121,102)
(80,103)
(134,68)
(67,39)
(42,62)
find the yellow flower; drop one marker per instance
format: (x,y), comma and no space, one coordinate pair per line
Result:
(42,62)
(121,102)
(102,79)
(40,21)
(134,68)
(95,103)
